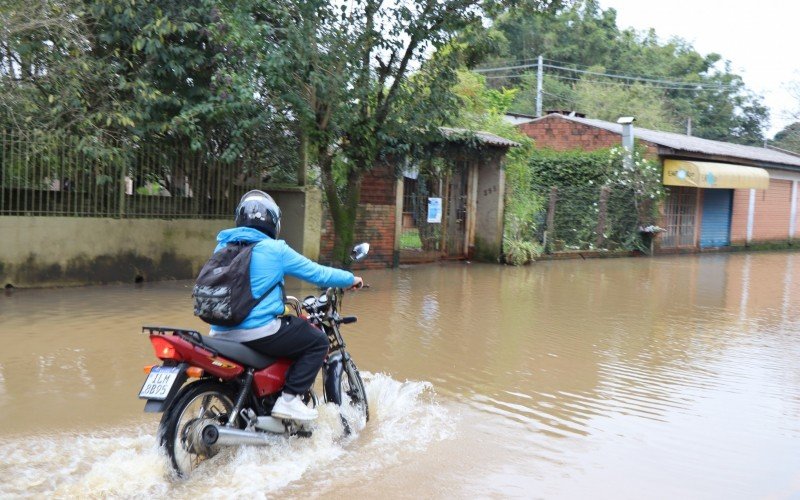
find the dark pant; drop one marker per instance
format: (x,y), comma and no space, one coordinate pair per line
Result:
(296,339)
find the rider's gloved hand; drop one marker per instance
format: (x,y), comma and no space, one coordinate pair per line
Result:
(357,283)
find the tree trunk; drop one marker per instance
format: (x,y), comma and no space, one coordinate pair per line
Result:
(302,166)
(342,204)
(345,227)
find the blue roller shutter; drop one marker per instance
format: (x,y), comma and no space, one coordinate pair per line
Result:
(715,229)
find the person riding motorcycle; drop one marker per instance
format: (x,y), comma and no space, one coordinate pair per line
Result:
(265,329)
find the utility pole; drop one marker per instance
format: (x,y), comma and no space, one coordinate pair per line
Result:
(689,126)
(539,75)
(627,140)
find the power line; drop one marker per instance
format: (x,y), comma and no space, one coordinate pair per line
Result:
(571,65)
(611,70)
(510,61)
(511,76)
(673,83)
(569,99)
(516,61)
(504,68)
(601,82)
(621,84)
(638,78)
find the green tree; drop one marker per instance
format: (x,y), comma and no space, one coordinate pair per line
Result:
(794,91)
(361,82)
(789,138)
(46,70)
(176,74)
(183,67)
(582,35)
(483,108)
(608,101)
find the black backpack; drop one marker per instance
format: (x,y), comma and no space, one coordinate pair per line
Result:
(222,293)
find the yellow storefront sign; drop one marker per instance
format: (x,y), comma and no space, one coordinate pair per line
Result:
(709,175)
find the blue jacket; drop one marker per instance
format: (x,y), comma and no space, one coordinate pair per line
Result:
(271,260)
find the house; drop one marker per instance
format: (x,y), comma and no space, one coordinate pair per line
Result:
(470,194)
(720,194)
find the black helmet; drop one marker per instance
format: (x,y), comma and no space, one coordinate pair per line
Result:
(258,210)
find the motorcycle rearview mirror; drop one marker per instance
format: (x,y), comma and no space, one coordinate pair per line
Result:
(359,252)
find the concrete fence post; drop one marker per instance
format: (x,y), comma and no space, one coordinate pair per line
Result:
(551,214)
(122,164)
(602,214)
(398,220)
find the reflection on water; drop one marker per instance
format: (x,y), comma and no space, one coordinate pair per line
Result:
(661,377)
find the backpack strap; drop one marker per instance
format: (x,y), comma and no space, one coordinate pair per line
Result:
(264,296)
(278,284)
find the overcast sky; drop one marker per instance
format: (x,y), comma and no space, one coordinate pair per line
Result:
(760,38)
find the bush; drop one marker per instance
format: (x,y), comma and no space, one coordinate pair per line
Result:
(521,252)
(580,177)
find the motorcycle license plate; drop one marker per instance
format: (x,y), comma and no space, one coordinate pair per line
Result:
(159,382)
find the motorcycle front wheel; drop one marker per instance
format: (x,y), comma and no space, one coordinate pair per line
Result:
(202,403)
(354,397)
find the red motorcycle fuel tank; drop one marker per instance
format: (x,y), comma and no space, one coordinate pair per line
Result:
(271,379)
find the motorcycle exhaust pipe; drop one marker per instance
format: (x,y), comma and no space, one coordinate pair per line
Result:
(225,436)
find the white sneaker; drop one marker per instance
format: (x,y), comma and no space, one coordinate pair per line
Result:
(293,410)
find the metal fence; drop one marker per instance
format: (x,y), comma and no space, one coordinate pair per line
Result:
(54,174)
(588,217)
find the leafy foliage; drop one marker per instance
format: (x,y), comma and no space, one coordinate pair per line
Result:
(482,108)
(46,72)
(367,81)
(585,37)
(608,101)
(287,84)
(555,168)
(642,177)
(118,72)
(519,252)
(789,138)
(587,181)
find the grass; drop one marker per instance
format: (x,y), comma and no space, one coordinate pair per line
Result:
(409,239)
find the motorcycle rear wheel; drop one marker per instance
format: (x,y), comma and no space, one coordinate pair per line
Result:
(201,403)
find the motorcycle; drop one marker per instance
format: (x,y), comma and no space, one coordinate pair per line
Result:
(215,393)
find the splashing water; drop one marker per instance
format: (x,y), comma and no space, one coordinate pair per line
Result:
(126,462)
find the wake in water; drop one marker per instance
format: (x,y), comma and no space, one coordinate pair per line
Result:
(404,419)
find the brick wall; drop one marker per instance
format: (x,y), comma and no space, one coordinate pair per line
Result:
(741,202)
(558,133)
(797,221)
(377,187)
(772,214)
(771,217)
(375,221)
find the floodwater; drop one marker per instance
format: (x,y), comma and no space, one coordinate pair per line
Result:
(669,377)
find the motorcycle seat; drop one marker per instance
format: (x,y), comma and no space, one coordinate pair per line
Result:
(239,353)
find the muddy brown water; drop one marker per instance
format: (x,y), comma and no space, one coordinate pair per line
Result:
(627,378)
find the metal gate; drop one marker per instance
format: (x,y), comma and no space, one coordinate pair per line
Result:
(680,212)
(456,220)
(450,238)
(715,228)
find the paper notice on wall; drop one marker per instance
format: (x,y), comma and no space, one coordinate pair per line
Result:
(434,210)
